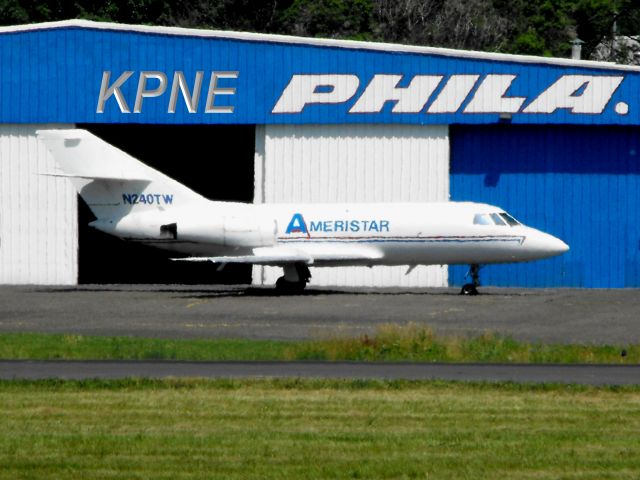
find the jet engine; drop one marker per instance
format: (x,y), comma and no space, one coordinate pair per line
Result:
(232,231)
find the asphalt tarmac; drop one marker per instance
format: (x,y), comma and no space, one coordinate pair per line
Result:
(81,370)
(541,315)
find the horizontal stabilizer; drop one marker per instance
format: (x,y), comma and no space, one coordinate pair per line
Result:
(93,177)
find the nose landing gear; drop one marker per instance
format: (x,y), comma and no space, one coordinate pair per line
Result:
(295,279)
(472,288)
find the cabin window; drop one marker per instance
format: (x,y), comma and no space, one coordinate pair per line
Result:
(482,219)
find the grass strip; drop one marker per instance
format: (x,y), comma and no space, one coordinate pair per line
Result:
(315,430)
(36,346)
(389,343)
(417,343)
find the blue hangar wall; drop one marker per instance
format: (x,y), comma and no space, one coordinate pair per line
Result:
(578,183)
(100,75)
(553,142)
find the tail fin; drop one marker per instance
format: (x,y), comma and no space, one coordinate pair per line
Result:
(110,181)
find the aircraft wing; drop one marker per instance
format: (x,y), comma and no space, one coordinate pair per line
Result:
(281,255)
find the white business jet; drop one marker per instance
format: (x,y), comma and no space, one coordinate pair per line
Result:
(137,203)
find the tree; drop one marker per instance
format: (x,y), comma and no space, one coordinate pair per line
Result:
(241,15)
(351,19)
(537,27)
(596,21)
(533,27)
(471,24)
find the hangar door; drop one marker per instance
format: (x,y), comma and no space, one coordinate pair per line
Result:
(581,184)
(354,163)
(38,223)
(213,160)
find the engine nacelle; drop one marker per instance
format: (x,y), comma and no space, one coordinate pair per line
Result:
(232,231)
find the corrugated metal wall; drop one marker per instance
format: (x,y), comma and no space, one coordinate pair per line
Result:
(581,184)
(354,163)
(38,214)
(309,84)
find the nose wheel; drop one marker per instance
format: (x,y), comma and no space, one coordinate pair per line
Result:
(472,288)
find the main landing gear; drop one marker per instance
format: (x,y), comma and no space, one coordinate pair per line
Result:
(472,288)
(295,279)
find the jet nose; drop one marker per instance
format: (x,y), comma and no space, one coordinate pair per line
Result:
(556,246)
(543,245)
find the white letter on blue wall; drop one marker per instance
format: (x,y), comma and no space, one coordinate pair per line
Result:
(106,91)
(315,89)
(383,88)
(214,90)
(190,100)
(490,96)
(578,93)
(143,92)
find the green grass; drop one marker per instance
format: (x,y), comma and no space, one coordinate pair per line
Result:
(389,343)
(417,343)
(137,429)
(35,346)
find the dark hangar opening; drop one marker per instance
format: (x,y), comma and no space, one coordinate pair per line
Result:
(214,160)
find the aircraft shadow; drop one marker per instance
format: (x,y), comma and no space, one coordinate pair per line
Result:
(218,291)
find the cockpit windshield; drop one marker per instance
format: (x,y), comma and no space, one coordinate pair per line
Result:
(510,220)
(501,219)
(497,219)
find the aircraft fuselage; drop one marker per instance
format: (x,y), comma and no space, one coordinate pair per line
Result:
(392,233)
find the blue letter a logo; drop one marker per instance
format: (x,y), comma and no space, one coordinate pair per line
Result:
(297,224)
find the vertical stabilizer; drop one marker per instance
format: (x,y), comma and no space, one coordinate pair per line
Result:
(111,182)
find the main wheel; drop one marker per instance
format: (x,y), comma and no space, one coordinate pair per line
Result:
(469,289)
(289,288)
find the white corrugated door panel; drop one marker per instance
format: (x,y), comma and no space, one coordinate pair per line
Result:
(38,213)
(354,163)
